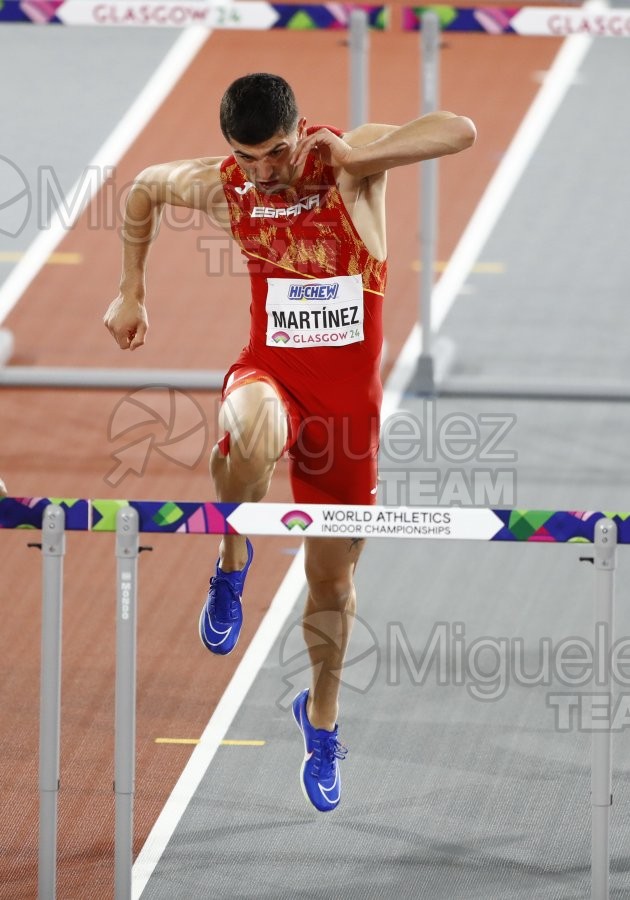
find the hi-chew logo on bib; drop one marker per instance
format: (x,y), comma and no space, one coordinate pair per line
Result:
(326,312)
(316,291)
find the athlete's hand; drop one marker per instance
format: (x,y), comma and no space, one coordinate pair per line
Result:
(333,150)
(127,322)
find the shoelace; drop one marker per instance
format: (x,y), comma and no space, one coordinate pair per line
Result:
(224,611)
(329,749)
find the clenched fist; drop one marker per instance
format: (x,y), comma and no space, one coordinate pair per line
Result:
(127,322)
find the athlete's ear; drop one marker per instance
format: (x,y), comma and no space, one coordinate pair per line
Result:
(301,129)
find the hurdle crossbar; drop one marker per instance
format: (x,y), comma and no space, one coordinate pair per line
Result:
(127,518)
(246,14)
(525,20)
(318,520)
(92,378)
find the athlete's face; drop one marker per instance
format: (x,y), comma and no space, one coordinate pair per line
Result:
(268,165)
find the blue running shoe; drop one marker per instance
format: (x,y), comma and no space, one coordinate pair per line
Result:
(321,781)
(222,615)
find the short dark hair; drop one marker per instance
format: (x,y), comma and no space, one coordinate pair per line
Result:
(255,107)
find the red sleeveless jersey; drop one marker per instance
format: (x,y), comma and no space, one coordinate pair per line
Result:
(305,234)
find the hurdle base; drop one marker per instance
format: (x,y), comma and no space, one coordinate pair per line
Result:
(600,852)
(422,382)
(7,344)
(47,852)
(432,368)
(123,860)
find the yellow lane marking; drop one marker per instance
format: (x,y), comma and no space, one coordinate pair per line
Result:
(228,743)
(480,268)
(58,259)
(224,743)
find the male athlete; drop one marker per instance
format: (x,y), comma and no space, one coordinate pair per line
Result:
(307,209)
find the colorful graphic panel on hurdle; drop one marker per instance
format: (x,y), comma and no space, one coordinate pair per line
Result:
(542,21)
(537,526)
(246,14)
(551,21)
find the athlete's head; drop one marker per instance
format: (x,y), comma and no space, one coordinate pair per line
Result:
(256,107)
(259,119)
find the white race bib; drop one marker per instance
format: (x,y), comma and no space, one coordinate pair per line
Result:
(322,312)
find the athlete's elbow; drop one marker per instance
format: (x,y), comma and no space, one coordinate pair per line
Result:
(465,133)
(145,178)
(141,191)
(149,190)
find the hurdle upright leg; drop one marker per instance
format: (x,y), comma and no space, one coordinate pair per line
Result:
(53,548)
(125,725)
(358,41)
(423,380)
(605,544)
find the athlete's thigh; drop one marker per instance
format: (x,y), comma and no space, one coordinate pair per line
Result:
(335,459)
(255,417)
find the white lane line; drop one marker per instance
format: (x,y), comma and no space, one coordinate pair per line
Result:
(217,727)
(496,196)
(157,88)
(490,207)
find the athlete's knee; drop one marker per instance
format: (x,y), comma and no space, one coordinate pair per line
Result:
(254,435)
(334,591)
(247,467)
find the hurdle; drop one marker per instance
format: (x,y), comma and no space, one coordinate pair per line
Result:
(435,354)
(435,357)
(255,15)
(127,519)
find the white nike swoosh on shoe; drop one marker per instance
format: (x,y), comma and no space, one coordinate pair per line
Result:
(214,631)
(327,791)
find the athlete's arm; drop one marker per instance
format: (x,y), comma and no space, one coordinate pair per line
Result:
(373,149)
(195,184)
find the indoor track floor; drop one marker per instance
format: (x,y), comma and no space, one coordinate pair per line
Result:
(445,795)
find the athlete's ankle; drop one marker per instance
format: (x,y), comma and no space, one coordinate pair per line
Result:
(321,718)
(233,557)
